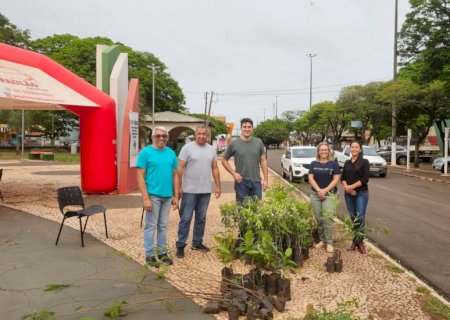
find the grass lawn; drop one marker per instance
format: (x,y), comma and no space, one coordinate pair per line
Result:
(61,155)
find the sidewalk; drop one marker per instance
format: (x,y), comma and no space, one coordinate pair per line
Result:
(383,290)
(424,172)
(97,275)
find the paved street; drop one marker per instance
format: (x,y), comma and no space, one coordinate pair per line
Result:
(417,213)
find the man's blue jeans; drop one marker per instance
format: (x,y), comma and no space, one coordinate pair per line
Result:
(247,188)
(191,202)
(156,220)
(356,206)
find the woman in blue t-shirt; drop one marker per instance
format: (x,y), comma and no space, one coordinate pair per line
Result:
(324,177)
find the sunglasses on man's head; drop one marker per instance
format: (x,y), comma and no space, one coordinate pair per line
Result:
(159,136)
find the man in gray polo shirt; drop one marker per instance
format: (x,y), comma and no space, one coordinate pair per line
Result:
(249,156)
(196,163)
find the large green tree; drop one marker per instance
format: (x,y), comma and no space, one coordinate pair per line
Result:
(424,46)
(10,34)
(291,116)
(273,131)
(426,106)
(365,104)
(336,116)
(424,42)
(78,55)
(55,124)
(303,127)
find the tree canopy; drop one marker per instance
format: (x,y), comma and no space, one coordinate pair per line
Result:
(272,131)
(10,34)
(78,55)
(424,45)
(218,127)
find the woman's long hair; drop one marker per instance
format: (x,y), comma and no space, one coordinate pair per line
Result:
(359,160)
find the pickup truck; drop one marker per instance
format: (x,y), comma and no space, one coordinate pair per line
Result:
(377,164)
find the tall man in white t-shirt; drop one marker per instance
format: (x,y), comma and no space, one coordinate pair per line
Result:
(196,163)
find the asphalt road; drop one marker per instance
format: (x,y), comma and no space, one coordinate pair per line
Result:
(417,212)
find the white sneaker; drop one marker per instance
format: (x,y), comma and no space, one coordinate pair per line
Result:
(330,248)
(319,245)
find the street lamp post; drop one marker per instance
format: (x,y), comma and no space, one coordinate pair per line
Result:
(394,100)
(310,79)
(153,95)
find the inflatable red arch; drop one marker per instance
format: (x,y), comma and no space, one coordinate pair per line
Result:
(97,124)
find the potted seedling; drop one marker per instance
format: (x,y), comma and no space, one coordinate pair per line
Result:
(226,251)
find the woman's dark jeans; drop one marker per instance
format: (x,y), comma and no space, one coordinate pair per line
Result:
(356,206)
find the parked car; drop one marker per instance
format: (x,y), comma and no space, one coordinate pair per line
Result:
(386,152)
(295,162)
(438,164)
(377,164)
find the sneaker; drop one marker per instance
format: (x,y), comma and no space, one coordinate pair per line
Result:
(180,252)
(201,247)
(330,248)
(319,245)
(152,262)
(164,258)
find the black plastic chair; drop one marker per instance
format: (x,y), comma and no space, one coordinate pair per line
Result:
(1,174)
(71,196)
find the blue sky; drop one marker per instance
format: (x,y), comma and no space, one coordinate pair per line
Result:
(247,52)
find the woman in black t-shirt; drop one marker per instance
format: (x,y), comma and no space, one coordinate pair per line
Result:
(324,176)
(355,177)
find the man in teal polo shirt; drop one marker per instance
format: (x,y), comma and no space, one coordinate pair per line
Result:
(158,182)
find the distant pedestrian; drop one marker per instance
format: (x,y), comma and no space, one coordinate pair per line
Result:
(355,177)
(323,177)
(197,163)
(249,159)
(158,182)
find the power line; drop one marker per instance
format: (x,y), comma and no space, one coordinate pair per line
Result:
(287,91)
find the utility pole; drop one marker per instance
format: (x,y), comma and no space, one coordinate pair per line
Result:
(394,98)
(273,117)
(153,95)
(276,107)
(206,107)
(310,55)
(209,114)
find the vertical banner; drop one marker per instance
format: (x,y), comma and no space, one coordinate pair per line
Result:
(134,138)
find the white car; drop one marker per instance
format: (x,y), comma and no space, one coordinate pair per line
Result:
(377,164)
(295,162)
(438,164)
